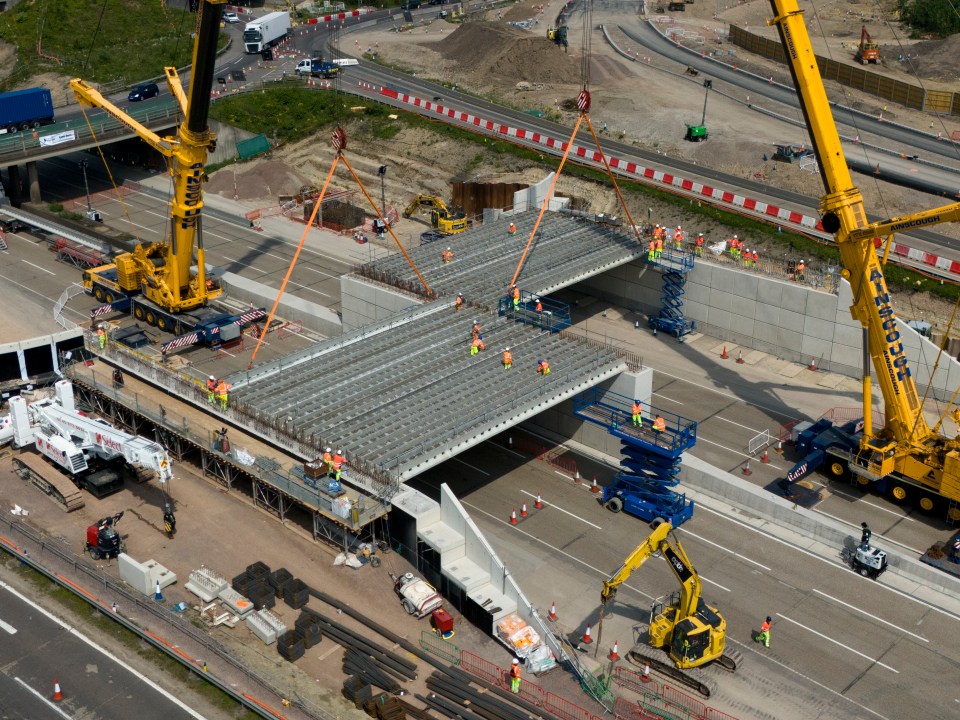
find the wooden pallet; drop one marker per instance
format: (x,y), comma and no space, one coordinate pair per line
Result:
(51,481)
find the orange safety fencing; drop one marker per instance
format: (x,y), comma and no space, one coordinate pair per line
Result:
(561,462)
(529,446)
(563,708)
(481,667)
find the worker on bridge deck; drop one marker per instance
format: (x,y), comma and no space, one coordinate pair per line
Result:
(538,309)
(211,389)
(637,416)
(658,249)
(515,676)
(512,229)
(459,303)
(221,393)
(507,359)
(516,298)
(101,336)
(328,460)
(447,255)
(678,238)
(475,332)
(543,367)
(338,461)
(477,345)
(659,424)
(651,250)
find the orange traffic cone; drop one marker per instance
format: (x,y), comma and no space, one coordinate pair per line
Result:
(766,457)
(723,355)
(779,447)
(594,487)
(510,442)
(57,694)
(613,651)
(523,510)
(586,636)
(812,365)
(513,516)
(646,672)
(539,503)
(739,357)
(553,611)
(746,468)
(576,477)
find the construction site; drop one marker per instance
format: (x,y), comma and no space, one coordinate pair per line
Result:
(337,457)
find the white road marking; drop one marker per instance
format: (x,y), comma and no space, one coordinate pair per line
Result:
(8,628)
(772,411)
(712,582)
(80,636)
(745,427)
(677,402)
(783,666)
(726,549)
(246,265)
(902,516)
(567,512)
(42,698)
(38,267)
(742,454)
(472,467)
(831,563)
(321,272)
(505,449)
(857,528)
(872,617)
(563,475)
(839,644)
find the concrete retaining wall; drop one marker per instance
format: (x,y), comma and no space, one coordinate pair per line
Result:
(789,321)
(36,356)
(363,302)
(314,317)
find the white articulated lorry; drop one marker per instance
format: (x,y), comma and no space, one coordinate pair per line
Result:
(265,32)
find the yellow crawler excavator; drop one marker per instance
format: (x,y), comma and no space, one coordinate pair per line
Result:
(682,626)
(442,218)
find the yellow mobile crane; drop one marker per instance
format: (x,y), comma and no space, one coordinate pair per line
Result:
(159,272)
(904,457)
(691,632)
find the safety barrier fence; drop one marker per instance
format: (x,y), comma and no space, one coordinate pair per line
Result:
(561,462)
(529,446)
(442,648)
(179,639)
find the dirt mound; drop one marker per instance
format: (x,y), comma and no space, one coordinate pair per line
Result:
(930,59)
(490,50)
(260,179)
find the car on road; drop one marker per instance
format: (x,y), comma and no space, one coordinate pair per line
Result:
(231,17)
(143,92)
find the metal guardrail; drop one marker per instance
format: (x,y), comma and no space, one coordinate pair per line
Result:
(178,623)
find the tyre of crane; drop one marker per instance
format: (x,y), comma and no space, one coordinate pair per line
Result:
(838,469)
(408,606)
(98,293)
(109,296)
(138,312)
(151,317)
(163,323)
(899,493)
(614,504)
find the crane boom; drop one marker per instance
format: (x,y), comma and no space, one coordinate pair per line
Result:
(161,271)
(905,448)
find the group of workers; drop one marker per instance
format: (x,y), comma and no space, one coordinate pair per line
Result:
(217,391)
(334,462)
(636,410)
(659,236)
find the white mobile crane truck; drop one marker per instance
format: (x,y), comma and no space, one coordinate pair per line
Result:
(96,455)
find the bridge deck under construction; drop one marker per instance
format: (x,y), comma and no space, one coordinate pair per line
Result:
(404,394)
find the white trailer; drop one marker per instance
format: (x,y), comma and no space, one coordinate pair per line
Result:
(265,32)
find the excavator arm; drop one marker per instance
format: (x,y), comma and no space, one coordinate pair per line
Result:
(676,557)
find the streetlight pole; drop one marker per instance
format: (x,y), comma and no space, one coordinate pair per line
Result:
(382,172)
(83,166)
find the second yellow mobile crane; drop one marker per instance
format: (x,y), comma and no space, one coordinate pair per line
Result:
(690,632)
(905,457)
(156,277)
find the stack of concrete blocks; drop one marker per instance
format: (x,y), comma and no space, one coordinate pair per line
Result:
(144,576)
(206,584)
(236,603)
(266,625)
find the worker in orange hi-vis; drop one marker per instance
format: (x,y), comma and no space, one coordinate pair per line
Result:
(543,367)
(658,250)
(476,345)
(699,244)
(328,460)
(516,298)
(512,229)
(475,331)
(459,304)
(221,393)
(507,359)
(678,238)
(659,425)
(338,462)
(211,389)
(447,255)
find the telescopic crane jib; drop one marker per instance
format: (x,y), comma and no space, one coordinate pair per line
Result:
(161,270)
(905,452)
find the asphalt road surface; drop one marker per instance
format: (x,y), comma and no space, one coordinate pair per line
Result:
(36,650)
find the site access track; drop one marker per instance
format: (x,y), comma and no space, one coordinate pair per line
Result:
(404,394)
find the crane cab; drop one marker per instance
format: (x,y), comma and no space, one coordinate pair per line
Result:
(693,641)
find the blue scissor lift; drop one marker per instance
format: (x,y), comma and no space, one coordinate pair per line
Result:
(651,463)
(675,265)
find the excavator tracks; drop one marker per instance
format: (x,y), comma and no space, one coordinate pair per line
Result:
(57,487)
(730,660)
(694,678)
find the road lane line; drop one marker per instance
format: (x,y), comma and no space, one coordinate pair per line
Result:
(714,582)
(472,467)
(557,507)
(8,628)
(242,264)
(738,452)
(725,549)
(857,528)
(668,399)
(41,698)
(745,427)
(840,644)
(771,410)
(867,502)
(831,563)
(80,636)
(38,267)
(506,449)
(872,617)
